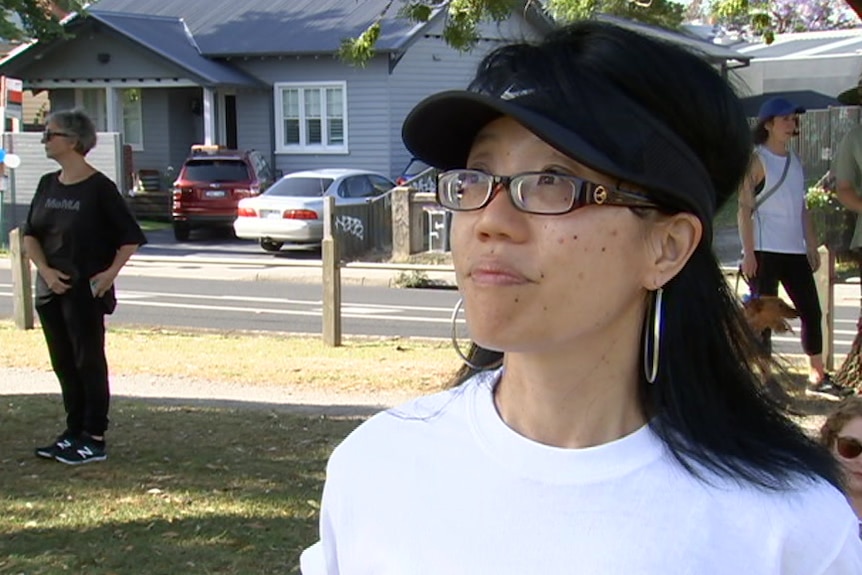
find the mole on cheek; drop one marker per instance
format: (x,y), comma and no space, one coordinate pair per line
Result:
(575,237)
(604,248)
(517,300)
(614,232)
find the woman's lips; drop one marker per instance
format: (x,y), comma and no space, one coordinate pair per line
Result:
(497,274)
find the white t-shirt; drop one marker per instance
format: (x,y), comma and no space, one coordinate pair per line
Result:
(778,220)
(443,486)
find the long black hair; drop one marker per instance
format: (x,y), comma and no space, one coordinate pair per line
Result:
(709,403)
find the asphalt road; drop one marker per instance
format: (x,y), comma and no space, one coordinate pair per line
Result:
(296,308)
(217,243)
(271,306)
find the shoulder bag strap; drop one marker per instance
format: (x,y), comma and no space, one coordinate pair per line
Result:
(763,196)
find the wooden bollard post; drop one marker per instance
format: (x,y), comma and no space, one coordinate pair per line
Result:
(825,280)
(22,290)
(331,277)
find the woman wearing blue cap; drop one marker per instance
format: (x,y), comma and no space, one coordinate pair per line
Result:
(778,240)
(609,417)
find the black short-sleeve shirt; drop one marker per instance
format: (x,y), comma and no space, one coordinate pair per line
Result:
(79,226)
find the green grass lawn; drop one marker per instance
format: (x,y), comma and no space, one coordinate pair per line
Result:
(184,490)
(152,225)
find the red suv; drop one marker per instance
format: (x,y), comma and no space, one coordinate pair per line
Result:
(211,183)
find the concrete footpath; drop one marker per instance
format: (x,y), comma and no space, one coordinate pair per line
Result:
(275,269)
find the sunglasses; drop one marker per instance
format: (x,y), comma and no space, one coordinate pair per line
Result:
(848,447)
(48,134)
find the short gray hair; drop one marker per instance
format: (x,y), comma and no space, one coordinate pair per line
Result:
(79,124)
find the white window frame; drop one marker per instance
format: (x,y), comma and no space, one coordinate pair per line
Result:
(304,148)
(100,116)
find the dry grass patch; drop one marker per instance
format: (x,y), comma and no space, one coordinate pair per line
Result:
(361,365)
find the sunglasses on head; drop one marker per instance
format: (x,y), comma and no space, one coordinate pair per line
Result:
(848,447)
(48,134)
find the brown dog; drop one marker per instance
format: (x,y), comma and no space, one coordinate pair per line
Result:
(769,312)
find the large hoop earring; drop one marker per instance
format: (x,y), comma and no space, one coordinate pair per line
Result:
(455,345)
(652,337)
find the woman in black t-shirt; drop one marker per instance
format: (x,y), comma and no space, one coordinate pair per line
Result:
(79,233)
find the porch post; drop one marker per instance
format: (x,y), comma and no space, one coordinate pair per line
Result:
(112,110)
(209,116)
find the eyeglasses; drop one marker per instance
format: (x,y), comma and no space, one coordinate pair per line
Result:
(848,447)
(48,134)
(543,193)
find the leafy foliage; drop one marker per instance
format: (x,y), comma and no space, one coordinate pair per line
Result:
(769,17)
(664,13)
(463,18)
(26,19)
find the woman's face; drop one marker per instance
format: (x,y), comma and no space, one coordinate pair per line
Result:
(852,466)
(542,283)
(783,128)
(57,141)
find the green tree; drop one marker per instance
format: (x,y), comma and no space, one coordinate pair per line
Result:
(28,19)
(464,16)
(769,17)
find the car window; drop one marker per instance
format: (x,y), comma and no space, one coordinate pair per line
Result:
(216,170)
(301,187)
(381,184)
(356,187)
(414,168)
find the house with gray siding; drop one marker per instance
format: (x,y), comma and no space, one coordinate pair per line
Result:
(259,74)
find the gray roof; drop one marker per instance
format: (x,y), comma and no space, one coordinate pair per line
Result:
(714,53)
(269,27)
(170,38)
(808,44)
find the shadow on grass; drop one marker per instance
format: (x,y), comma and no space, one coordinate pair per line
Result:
(186,489)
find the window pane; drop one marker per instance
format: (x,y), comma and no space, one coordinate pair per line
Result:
(335,127)
(290,103)
(214,171)
(334,103)
(299,187)
(313,131)
(291,132)
(312,103)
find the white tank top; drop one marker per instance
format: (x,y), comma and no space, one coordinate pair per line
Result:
(778,220)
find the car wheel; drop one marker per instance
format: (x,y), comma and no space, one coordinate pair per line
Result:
(270,246)
(182,231)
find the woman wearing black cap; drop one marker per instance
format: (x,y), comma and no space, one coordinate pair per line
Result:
(778,240)
(608,419)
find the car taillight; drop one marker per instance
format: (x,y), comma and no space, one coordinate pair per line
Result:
(179,192)
(246,213)
(300,215)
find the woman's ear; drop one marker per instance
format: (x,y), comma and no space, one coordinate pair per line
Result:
(672,240)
